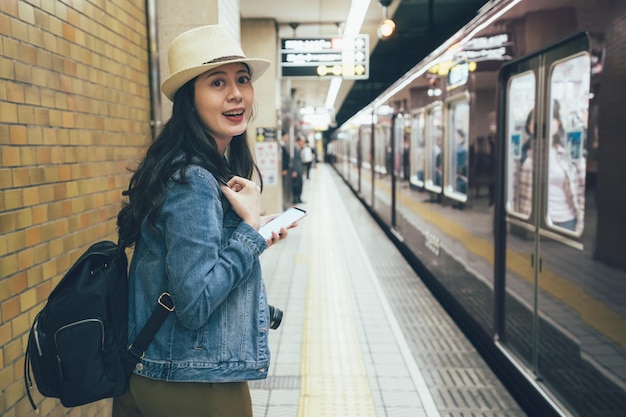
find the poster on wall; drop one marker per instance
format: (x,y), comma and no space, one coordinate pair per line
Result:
(267,161)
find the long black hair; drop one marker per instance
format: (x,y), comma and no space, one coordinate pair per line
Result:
(184,140)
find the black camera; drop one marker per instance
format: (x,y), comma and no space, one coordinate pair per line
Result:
(276,317)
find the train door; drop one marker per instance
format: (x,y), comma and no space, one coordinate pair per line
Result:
(434,148)
(418,152)
(457,161)
(545,100)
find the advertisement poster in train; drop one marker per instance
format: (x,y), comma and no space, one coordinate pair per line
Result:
(520,135)
(569,88)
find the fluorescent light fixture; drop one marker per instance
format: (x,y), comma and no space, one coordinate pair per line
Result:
(358,10)
(333,90)
(357,13)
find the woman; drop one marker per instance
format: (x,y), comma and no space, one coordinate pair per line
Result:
(193,215)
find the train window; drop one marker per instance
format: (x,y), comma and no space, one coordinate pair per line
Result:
(569,105)
(418,142)
(434,143)
(520,128)
(457,148)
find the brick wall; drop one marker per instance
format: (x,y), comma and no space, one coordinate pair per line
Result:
(74,115)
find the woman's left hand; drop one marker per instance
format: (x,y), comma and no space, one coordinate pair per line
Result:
(282,233)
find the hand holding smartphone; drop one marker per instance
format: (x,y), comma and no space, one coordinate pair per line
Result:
(285,219)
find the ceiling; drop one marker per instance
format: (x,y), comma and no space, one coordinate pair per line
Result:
(421,26)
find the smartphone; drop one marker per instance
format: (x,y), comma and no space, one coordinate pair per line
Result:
(285,219)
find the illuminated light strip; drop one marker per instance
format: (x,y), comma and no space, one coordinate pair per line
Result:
(423,66)
(358,10)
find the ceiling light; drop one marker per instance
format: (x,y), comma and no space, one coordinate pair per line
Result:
(386,29)
(387,26)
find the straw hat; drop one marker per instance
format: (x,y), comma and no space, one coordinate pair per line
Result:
(201,49)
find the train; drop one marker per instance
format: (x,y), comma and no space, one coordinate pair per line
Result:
(495,164)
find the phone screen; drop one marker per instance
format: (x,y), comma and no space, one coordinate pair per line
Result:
(285,219)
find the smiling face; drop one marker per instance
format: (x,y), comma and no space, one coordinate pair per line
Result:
(223,100)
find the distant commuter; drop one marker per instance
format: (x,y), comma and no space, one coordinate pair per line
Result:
(297,170)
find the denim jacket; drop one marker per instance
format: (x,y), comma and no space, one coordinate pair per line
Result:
(209,263)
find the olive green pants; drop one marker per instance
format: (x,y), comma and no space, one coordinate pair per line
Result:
(151,398)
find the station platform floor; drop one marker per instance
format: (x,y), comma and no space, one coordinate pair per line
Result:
(361,335)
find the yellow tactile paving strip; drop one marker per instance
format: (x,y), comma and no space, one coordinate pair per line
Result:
(334,379)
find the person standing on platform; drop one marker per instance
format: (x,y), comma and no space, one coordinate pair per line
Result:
(193,215)
(307,158)
(297,170)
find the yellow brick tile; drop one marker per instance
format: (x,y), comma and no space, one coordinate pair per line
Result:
(17,135)
(20,177)
(4,246)
(35,135)
(15,92)
(49,136)
(34,275)
(21,325)
(5,135)
(8,113)
(19,30)
(55,247)
(36,175)
(10,156)
(68,32)
(28,299)
(13,350)
(35,33)
(7,68)
(30,196)
(5,25)
(68,119)
(11,48)
(46,97)
(16,241)
(46,193)
(51,174)
(42,116)
(24,73)
(59,192)
(13,199)
(32,95)
(56,117)
(7,222)
(40,214)
(71,189)
(26,114)
(64,173)
(32,236)
(49,269)
(50,41)
(28,155)
(26,12)
(8,265)
(25,259)
(43,155)
(5,333)
(23,218)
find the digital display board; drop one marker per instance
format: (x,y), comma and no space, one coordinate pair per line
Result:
(326,57)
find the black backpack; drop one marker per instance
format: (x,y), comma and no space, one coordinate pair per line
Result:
(78,346)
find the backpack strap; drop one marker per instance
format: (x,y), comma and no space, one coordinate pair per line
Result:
(164,307)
